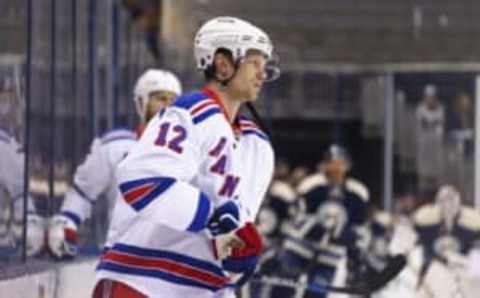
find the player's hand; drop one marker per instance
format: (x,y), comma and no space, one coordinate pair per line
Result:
(225,218)
(243,260)
(12,233)
(252,240)
(36,229)
(63,237)
(222,225)
(224,244)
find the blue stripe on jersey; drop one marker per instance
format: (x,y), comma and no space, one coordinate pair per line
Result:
(133,138)
(158,186)
(118,134)
(74,217)
(204,115)
(5,136)
(201,215)
(256,133)
(82,194)
(122,268)
(164,254)
(329,254)
(189,100)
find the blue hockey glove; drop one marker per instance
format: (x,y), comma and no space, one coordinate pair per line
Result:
(224,219)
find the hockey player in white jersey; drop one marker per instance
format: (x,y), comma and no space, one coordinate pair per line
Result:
(192,186)
(12,163)
(155,89)
(12,168)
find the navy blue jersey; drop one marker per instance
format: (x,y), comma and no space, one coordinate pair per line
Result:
(437,238)
(337,208)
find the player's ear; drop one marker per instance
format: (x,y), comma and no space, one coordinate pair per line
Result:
(223,66)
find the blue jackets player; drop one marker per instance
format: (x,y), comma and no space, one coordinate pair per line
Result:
(192,186)
(447,230)
(333,231)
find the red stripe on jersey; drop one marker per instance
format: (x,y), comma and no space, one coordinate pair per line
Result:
(170,266)
(197,109)
(138,192)
(248,125)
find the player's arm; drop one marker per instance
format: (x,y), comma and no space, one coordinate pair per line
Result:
(13,166)
(155,178)
(91,179)
(243,260)
(264,176)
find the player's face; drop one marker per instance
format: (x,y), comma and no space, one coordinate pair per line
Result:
(431,101)
(449,204)
(157,101)
(336,170)
(248,80)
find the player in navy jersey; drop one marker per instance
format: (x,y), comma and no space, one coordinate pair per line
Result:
(447,232)
(327,240)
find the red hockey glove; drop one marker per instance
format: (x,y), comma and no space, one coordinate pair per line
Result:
(253,244)
(244,260)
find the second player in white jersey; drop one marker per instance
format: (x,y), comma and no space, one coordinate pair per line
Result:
(95,177)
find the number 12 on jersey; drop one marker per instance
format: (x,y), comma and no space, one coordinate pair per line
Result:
(171,137)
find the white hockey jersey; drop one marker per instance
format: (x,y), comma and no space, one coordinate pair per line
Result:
(12,164)
(95,177)
(189,159)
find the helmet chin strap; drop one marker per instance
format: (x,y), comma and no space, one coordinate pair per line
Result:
(224,83)
(251,108)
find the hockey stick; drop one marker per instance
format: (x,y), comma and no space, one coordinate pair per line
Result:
(370,285)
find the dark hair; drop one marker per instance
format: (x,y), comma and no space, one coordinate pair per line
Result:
(209,72)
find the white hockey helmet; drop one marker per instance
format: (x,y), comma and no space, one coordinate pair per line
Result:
(150,81)
(237,36)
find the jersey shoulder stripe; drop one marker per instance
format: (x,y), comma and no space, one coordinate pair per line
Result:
(163,264)
(206,114)
(311,182)
(248,127)
(199,105)
(118,134)
(357,188)
(256,133)
(202,106)
(470,219)
(427,215)
(4,136)
(187,101)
